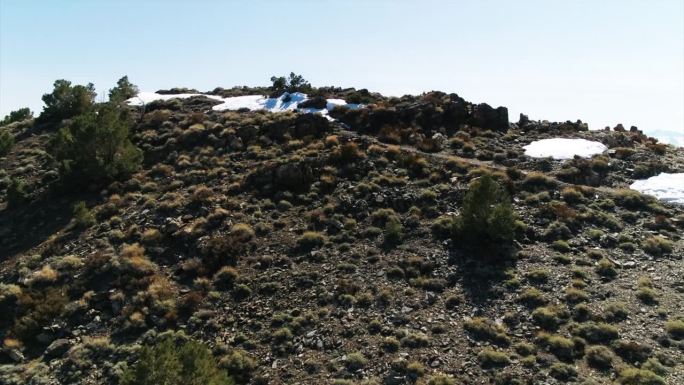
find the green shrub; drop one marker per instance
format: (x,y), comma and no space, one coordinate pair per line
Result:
(561,347)
(657,246)
(310,240)
(415,340)
(82,216)
(631,199)
(393,231)
(17,116)
(485,329)
(536,181)
(355,361)
(633,376)
(6,142)
(631,351)
(524,349)
(675,328)
(441,379)
(225,277)
(600,357)
(575,296)
(572,195)
(606,268)
(282,335)
(491,358)
(241,291)
(380,217)
(538,276)
(223,250)
(443,226)
(415,370)
(390,344)
(36,309)
(654,365)
(615,312)
(167,363)
(549,317)
(561,246)
(95,147)
(563,372)
(596,332)
(17,192)
(67,101)
(486,221)
(647,295)
(240,365)
(532,297)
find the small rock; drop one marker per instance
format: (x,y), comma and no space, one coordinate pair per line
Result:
(16,355)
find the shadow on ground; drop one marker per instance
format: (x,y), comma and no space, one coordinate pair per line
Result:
(479,277)
(30,224)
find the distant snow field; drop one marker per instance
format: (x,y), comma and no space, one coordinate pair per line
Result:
(666,187)
(285,102)
(563,148)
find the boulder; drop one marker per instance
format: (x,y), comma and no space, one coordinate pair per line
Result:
(57,348)
(311,125)
(484,116)
(317,102)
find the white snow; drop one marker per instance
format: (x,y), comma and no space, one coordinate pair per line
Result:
(563,148)
(285,102)
(666,187)
(252,102)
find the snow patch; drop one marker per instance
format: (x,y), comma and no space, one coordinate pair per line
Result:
(563,148)
(666,187)
(285,102)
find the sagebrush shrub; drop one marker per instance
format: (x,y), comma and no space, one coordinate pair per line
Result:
(17,192)
(6,142)
(82,216)
(167,363)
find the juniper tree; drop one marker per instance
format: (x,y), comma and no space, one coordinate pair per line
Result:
(123,91)
(17,116)
(66,101)
(487,220)
(95,147)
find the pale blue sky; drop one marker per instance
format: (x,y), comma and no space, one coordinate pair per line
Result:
(604,62)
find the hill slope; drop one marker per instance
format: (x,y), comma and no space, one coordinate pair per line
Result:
(303,250)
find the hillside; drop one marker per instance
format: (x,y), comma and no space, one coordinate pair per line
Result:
(328,246)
